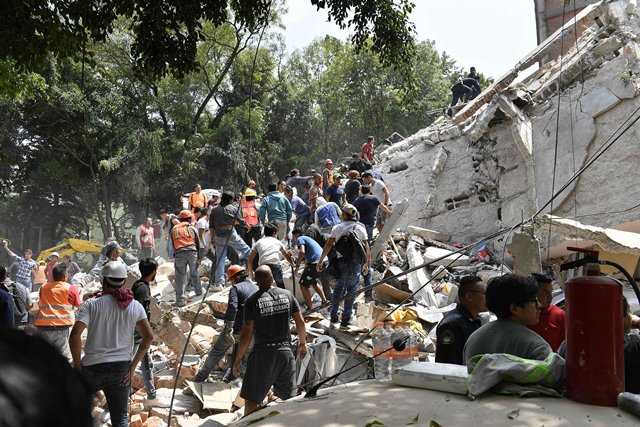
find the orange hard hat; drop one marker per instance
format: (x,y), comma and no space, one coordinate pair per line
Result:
(328,162)
(185,214)
(233,270)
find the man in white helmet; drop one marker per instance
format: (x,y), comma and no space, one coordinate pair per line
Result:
(110,319)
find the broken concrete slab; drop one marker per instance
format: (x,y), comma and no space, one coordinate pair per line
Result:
(216,396)
(428,234)
(437,256)
(525,250)
(420,277)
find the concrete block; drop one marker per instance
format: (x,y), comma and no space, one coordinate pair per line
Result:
(136,421)
(429,234)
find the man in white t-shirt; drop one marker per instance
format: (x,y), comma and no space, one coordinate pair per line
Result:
(379,190)
(110,319)
(348,270)
(269,251)
(203,232)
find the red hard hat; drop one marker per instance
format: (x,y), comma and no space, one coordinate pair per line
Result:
(328,162)
(233,270)
(185,214)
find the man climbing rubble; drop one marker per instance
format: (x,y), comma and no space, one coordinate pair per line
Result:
(186,246)
(465,87)
(110,319)
(457,326)
(352,258)
(308,250)
(272,362)
(276,207)
(270,252)
(513,299)
(242,288)
(379,190)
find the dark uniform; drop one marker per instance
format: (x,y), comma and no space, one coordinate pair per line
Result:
(453,332)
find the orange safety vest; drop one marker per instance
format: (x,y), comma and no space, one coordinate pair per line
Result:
(329,176)
(200,200)
(181,236)
(250,213)
(54,308)
(39,275)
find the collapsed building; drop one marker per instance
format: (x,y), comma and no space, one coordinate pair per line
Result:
(503,155)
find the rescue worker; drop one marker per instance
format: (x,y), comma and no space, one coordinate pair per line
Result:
(56,310)
(458,324)
(197,198)
(186,246)
(39,276)
(327,174)
(110,320)
(251,217)
(242,288)
(145,239)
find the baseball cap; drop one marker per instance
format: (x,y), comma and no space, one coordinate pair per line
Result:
(351,212)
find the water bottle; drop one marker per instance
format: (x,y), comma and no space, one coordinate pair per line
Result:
(402,358)
(381,342)
(413,342)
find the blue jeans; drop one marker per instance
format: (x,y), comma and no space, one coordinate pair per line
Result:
(24,282)
(147,373)
(222,245)
(109,377)
(348,281)
(217,352)
(182,260)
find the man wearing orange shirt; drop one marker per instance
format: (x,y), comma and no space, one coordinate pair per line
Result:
(551,325)
(197,199)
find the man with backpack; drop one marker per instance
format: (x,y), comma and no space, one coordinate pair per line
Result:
(352,258)
(21,299)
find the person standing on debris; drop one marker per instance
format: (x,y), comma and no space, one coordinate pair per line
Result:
(168,220)
(334,193)
(381,192)
(276,207)
(145,239)
(224,236)
(72,267)
(40,277)
(26,265)
(272,362)
(463,88)
(7,315)
(242,288)
(368,205)
(473,74)
(513,299)
(309,250)
(186,246)
(110,319)
(327,215)
(350,238)
(56,310)
(357,164)
(204,235)
(197,199)
(299,208)
(112,252)
(457,326)
(327,175)
(142,293)
(551,324)
(269,250)
(352,187)
(367,150)
(250,215)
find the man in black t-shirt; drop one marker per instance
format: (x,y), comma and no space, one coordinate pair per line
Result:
(271,363)
(352,187)
(368,206)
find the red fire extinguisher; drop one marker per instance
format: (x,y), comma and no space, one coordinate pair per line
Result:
(595,346)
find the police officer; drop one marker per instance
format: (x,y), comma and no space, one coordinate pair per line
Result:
(458,324)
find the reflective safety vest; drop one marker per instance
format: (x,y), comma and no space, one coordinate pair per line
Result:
(54,308)
(198,200)
(182,236)
(329,175)
(250,213)
(39,276)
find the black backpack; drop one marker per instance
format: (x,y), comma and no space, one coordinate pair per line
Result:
(351,248)
(19,304)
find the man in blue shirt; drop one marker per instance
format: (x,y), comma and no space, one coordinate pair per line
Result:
(334,192)
(299,208)
(276,207)
(310,250)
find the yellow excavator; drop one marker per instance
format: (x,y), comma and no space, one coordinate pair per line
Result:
(70,247)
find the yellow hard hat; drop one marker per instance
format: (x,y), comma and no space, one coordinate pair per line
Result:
(250,192)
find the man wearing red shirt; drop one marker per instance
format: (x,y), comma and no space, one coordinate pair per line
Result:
(367,150)
(551,325)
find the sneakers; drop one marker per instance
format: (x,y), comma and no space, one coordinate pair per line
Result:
(157,403)
(178,304)
(344,327)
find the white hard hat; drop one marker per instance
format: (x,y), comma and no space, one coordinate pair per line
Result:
(114,270)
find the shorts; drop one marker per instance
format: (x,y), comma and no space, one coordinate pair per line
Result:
(310,275)
(268,367)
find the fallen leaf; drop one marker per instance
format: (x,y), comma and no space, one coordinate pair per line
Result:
(434,423)
(514,414)
(414,421)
